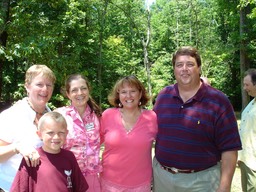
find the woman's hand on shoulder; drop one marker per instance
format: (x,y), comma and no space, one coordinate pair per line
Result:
(30,155)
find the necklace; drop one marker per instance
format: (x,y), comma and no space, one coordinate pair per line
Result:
(41,114)
(129,121)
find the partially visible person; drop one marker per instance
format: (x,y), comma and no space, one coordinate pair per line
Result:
(83,124)
(128,131)
(58,169)
(247,156)
(197,141)
(206,80)
(18,128)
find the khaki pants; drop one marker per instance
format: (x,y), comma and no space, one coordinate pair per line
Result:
(202,181)
(248,178)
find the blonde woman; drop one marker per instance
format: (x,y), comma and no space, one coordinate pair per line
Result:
(18,128)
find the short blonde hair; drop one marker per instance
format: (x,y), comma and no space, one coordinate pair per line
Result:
(53,115)
(35,70)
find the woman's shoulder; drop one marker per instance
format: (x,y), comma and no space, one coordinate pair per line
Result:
(148,112)
(17,108)
(110,111)
(64,110)
(109,114)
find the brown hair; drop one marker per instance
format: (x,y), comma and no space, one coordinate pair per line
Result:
(93,105)
(132,80)
(187,50)
(252,74)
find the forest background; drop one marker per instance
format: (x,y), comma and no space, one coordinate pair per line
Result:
(109,39)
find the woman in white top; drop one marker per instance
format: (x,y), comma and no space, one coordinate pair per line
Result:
(18,128)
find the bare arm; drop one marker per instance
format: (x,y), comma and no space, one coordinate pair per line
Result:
(228,166)
(7,150)
(30,154)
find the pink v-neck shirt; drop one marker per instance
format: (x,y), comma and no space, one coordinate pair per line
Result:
(127,157)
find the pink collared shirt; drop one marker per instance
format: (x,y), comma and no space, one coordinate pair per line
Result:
(83,138)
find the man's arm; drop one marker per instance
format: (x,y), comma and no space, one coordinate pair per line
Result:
(228,166)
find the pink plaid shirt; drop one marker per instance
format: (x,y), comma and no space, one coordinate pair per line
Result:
(83,138)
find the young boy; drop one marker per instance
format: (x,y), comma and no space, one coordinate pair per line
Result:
(58,169)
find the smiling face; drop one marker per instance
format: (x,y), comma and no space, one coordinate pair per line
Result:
(39,90)
(129,96)
(249,87)
(186,70)
(78,93)
(53,135)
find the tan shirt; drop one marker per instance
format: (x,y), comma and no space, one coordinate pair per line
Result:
(247,132)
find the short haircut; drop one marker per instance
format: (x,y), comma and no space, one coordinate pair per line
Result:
(252,74)
(35,70)
(189,51)
(53,115)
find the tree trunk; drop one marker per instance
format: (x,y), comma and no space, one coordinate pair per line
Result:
(244,63)
(145,44)
(102,19)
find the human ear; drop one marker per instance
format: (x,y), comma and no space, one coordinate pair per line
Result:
(39,134)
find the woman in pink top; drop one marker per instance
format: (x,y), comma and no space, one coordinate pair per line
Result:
(127,132)
(83,139)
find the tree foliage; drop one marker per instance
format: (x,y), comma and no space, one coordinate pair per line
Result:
(103,39)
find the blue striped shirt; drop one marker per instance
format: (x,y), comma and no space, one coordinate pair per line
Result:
(192,135)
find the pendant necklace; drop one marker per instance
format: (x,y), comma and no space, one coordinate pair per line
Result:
(38,115)
(45,110)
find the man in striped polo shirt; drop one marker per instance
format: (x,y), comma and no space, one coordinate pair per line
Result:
(197,142)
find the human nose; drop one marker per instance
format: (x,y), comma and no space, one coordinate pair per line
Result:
(56,136)
(46,87)
(184,67)
(129,93)
(79,91)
